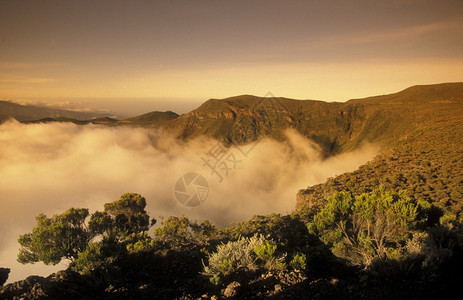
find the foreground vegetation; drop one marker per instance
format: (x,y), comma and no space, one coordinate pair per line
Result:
(356,245)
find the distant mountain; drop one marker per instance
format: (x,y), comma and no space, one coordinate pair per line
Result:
(100,121)
(30,113)
(151,119)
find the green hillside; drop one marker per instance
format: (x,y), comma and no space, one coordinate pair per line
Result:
(335,126)
(421,130)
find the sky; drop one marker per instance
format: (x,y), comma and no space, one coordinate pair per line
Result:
(109,51)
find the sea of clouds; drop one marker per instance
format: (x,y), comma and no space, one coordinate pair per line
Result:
(47,168)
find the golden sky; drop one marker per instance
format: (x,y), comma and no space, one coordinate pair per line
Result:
(331,50)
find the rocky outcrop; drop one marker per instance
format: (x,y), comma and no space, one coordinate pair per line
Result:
(56,286)
(4,272)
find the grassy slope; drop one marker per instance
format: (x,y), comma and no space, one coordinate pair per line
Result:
(422,131)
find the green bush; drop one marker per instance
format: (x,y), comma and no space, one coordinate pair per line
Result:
(52,239)
(299,262)
(265,250)
(90,258)
(142,243)
(97,254)
(180,232)
(370,226)
(215,280)
(120,227)
(245,254)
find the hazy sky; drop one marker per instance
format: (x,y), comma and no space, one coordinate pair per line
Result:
(201,49)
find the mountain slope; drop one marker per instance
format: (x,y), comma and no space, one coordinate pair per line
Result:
(423,127)
(246,118)
(336,127)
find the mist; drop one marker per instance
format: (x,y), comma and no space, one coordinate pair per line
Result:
(47,168)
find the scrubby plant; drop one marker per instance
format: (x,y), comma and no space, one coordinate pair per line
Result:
(122,219)
(370,226)
(266,253)
(88,242)
(449,219)
(92,257)
(178,232)
(141,243)
(245,254)
(53,239)
(299,262)
(215,279)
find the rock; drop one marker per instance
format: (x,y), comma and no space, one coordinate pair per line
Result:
(232,289)
(33,287)
(4,272)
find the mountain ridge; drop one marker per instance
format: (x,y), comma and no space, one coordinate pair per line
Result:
(24,113)
(336,126)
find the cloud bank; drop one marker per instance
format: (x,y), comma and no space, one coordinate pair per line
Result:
(47,168)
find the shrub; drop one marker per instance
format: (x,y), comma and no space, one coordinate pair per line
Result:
(266,253)
(97,254)
(247,254)
(448,219)
(299,262)
(371,226)
(55,238)
(142,243)
(179,232)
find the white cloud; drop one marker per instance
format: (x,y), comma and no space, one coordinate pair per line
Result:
(47,168)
